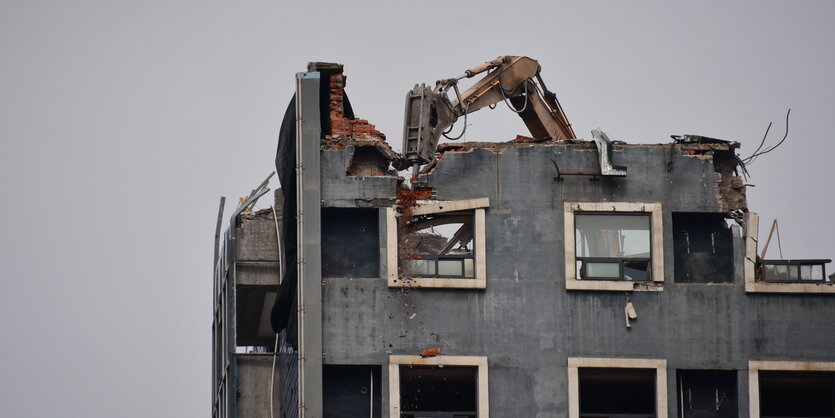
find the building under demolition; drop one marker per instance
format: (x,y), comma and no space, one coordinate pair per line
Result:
(547,276)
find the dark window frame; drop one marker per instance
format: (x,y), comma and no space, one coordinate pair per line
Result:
(441,257)
(793,264)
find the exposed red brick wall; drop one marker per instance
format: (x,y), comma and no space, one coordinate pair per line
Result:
(355,129)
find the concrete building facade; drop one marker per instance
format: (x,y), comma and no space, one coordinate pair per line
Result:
(510,279)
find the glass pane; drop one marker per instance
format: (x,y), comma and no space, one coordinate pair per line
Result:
(794,271)
(806,272)
(635,270)
(422,267)
(450,267)
(817,272)
(615,236)
(768,273)
(434,238)
(781,272)
(469,269)
(602,270)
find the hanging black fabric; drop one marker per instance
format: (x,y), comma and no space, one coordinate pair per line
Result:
(285,165)
(283,312)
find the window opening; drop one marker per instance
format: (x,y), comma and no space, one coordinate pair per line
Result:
(350,242)
(707,393)
(796,394)
(350,391)
(439,245)
(703,248)
(438,392)
(613,246)
(616,392)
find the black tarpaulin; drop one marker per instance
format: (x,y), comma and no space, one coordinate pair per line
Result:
(283,312)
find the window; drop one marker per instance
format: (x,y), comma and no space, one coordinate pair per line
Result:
(707,393)
(441,244)
(448,392)
(615,387)
(442,387)
(350,391)
(791,389)
(350,242)
(703,248)
(793,271)
(781,276)
(612,247)
(616,246)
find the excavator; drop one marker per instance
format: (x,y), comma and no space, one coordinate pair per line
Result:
(430,112)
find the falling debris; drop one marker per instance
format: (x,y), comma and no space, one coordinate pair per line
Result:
(431,352)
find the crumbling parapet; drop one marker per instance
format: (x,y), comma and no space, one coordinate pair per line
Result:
(371,153)
(720,157)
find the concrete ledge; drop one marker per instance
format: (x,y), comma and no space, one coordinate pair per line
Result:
(417,282)
(426,207)
(812,288)
(621,286)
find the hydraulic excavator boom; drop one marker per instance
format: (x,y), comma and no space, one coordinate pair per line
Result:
(430,113)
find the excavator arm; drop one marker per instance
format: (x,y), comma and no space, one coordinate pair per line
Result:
(431,112)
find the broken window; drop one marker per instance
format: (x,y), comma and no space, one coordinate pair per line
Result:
(794,271)
(616,392)
(440,245)
(703,247)
(613,246)
(707,393)
(796,394)
(350,391)
(438,392)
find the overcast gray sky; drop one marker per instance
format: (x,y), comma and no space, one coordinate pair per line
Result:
(123,122)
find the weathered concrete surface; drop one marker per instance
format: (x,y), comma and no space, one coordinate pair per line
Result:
(254,371)
(527,323)
(341,190)
(256,275)
(255,235)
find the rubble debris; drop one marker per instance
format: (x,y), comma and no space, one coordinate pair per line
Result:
(730,185)
(697,139)
(523,138)
(407,199)
(431,352)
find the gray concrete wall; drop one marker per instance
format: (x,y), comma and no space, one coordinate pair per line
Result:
(254,372)
(255,235)
(527,323)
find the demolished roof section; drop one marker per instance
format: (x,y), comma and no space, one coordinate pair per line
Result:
(720,156)
(371,155)
(345,129)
